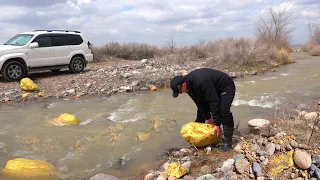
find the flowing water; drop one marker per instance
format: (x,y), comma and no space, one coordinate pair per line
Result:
(106,140)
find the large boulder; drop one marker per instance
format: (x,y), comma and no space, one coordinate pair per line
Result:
(199,134)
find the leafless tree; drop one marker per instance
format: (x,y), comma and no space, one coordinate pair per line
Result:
(171,43)
(202,41)
(275,30)
(315,33)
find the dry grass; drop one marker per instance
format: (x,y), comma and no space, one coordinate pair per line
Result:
(293,124)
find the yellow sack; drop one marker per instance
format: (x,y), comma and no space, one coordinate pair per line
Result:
(176,170)
(199,134)
(26,84)
(28,167)
(66,119)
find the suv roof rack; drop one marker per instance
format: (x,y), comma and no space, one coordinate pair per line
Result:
(57,30)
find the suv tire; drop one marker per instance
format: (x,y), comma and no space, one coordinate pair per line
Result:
(13,71)
(77,64)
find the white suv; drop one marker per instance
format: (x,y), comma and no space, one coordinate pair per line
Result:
(44,50)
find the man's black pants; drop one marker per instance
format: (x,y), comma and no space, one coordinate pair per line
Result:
(225,115)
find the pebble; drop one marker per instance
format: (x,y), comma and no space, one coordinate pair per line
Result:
(227,165)
(238,148)
(185,159)
(162,176)
(317,174)
(238,157)
(205,169)
(186,177)
(278,147)
(260,141)
(270,149)
(289,147)
(315,158)
(205,177)
(293,175)
(260,178)
(150,176)
(242,166)
(249,156)
(257,169)
(254,148)
(262,158)
(294,144)
(172,178)
(166,165)
(313,167)
(302,159)
(187,165)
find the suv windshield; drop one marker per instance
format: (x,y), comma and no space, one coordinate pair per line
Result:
(19,40)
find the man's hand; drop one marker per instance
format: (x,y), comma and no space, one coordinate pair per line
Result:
(217,131)
(210,121)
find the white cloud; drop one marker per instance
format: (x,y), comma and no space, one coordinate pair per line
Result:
(151,21)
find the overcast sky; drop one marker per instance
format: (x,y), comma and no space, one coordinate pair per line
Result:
(150,21)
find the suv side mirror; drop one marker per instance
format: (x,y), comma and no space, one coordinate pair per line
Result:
(34,45)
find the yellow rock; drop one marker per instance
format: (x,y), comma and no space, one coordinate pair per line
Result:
(26,84)
(25,95)
(176,170)
(143,136)
(29,168)
(157,124)
(41,94)
(280,163)
(66,120)
(199,134)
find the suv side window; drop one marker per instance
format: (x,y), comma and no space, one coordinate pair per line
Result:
(59,40)
(43,40)
(74,39)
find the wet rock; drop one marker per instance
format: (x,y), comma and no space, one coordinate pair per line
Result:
(227,165)
(302,159)
(259,123)
(103,177)
(206,177)
(310,116)
(257,169)
(242,165)
(143,136)
(294,144)
(270,149)
(238,157)
(205,169)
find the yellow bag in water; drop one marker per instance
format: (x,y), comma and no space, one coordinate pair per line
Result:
(26,84)
(199,134)
(28,167)
(66,119)
(176,170)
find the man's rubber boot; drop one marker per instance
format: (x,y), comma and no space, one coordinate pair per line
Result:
(228,134)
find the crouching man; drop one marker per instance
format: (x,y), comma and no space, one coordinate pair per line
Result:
(213,92)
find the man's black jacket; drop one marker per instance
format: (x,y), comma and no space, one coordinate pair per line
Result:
(206,85)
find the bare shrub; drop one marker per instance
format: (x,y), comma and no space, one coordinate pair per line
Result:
(274,30)
(283,57)
(315,50)
(127,51)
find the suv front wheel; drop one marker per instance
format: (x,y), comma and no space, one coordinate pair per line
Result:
(77,64)
(13,71)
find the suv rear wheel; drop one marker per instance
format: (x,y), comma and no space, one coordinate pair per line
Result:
(77,64)
(13,71)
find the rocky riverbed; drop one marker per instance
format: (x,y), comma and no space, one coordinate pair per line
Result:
(267,153)
(104,78)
